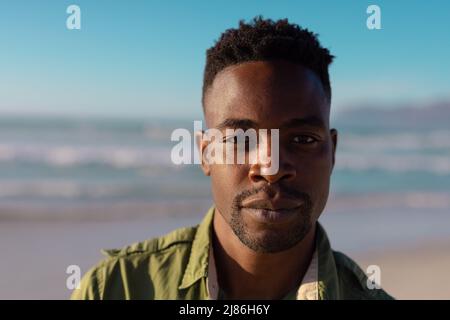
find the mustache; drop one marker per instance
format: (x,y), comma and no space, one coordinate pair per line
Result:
(285,191)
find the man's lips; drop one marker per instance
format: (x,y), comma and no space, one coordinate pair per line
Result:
(272,204)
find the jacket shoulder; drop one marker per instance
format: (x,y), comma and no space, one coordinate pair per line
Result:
(104,280)
(353,282)
(156,245)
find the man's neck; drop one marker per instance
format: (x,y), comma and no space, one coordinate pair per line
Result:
(245,274)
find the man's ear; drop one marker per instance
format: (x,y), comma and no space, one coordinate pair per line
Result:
(334,138)
(201,145)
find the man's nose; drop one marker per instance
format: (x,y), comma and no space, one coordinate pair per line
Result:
(260,172)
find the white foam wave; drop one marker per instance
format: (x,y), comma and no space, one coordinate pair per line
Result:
(436,164)
(438,139)
(71,155)
(66,189)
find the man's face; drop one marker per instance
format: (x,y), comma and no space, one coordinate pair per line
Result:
(272,212)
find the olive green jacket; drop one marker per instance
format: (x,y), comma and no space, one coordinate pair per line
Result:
(176,266)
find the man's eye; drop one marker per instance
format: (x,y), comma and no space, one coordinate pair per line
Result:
(230,139)
(304,139)
(240,142)
(236,139)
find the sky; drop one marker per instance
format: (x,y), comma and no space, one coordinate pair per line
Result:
(146,58)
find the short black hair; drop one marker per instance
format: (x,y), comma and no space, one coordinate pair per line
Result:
(265,39)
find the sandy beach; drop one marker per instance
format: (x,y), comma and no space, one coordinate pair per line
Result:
(35,254)
(417,272)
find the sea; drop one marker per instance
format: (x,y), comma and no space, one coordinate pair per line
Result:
(393,177)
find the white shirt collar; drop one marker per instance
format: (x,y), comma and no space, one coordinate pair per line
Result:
(308,289)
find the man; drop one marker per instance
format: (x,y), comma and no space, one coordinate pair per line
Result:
(261,240)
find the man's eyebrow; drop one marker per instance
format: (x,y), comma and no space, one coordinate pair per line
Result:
(311,121)
(236,124)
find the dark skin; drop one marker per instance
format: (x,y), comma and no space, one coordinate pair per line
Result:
(270,95)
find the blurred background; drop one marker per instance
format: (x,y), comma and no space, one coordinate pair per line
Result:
(86,117)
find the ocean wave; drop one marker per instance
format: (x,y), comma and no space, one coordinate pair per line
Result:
(400,152)
(46,189)
(382,200)
(435,164)
(69,156)
(403,141)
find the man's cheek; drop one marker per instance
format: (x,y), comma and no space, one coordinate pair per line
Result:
(222,182)
(314,177)
(322,162)
(232,174)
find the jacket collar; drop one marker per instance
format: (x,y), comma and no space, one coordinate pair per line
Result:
(321,275)
(328,281)
(197,266)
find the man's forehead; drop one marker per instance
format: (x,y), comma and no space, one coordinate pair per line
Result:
(275,90)
(265,116)
(273,71)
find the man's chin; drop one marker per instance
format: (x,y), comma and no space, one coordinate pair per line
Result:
(273,239)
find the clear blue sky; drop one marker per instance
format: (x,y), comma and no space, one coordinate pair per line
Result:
(146,58)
